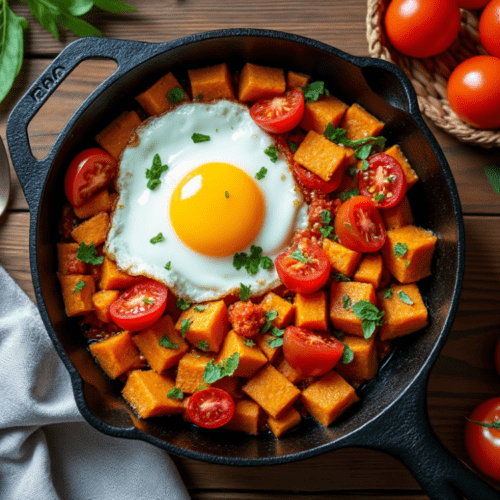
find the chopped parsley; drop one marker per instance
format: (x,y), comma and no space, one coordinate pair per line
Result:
(388,293)
(153,174)
(346,302)
(313,90)
(176,95)
(199,308)
(88,254)
(345,195)
(157,239)
(292,145)
(79,286)
(407,263)
(203,345)
(201,388)
(277,338)
(175,393)
(379,197)
(270,316)
(186,323)
(326,229)
(403,297)
(261,173)
(183,304)
(166,342)
(225,368)
(400,249)
(370,315)
(149,301)
(298,255)
(168,265)
(226,194)
(244,292)
(347,355)
(341,277)
(252,262)
(272,152)
(200,138)
(249,343)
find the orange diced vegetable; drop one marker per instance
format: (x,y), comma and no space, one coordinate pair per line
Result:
(364,365)
(210,83)
(246,417)
(410,174)
(95,204)
(263,341)
(101,301)
(161,345)
(190,371)
(114,279)
(294,80)
(318,114)
(77,291)
(68,263)
(285,309)
(272,391)
(259,82)
(397,216)
(116,354)
(342,259)
(370,270)
(327,398)
(92,230)
(360,124)
(289,420)
(311,311)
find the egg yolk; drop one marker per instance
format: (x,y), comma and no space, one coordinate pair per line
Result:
(217,209)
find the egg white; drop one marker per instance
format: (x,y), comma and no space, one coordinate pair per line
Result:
(142,214)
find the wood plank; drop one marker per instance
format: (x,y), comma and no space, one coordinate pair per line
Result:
(285,495)
(462,377)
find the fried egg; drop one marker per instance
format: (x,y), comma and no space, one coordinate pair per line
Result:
(221,195)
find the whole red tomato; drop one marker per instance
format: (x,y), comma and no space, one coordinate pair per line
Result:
(483,442)
(472,4)
(422,28)
(474,92)
(489,28)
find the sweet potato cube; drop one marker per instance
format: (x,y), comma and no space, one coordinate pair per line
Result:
(101,301)
(327,398)
(116,354)
(93,230)
(285,309)
(114,279)
(370,270)
(397,216)
(246,417)
(295,79)
(252,359)
(263,341)
(68,263)
(343,296)
(229,384)
(407,253)
(272,391)
(290,419)
(290,373)
(319,155)
(146,392)
(190,371)
(318,114)
(95,204)
(115,137)
(342,259)
(213,82)
(405,311)
(161,345)
(360,124)
(410,174)
(259,82)
(155,101)
(311,311)
(205,329)
(364,365)
(77,291)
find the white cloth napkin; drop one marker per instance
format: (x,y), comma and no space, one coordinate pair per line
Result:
(47,450)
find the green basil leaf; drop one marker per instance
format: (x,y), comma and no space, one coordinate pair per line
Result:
(45,16)
(493,174)
(77,26)
(115,6)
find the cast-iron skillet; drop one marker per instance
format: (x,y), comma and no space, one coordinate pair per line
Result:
(391,415)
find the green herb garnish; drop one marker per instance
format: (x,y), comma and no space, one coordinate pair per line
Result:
(168,265)
(346,302)
(298,255)
(252,262)
(154,173)
(149,301)
(183,304)
(244,292)
(403,297)
(341,277)
(275,342)
(199,308)
(79,286)
(388,293)
(200,138)
(157,239)
(225,368)
(261,173)
(249,343)
(166,342)
(185,324)
(203,345)
(400,249)
(313,90)
(175,393)
(176,95)
(292,145)
(272,152)
(370,315)
(345,195)
(226,194)
(88,254)
(347,355)
(270,316)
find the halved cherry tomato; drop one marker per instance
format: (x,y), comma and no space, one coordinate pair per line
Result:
(314,182)
(384,181)
(210,408)
(483,443)
(279,114)
(89,172)
(304,267)
(140,306)
(311,353)
(359,226)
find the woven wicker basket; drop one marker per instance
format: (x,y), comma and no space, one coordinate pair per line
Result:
(429,76)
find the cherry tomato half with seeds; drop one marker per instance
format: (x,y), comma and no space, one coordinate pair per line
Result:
(210,408)
(422,28)
(89,172)
(279,114)
(314,182)
(384,181)
(483,443)
(304,267)
(140,306)
(311,353)
(359,226)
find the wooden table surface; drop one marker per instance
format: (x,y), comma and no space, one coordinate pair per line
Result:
(464,373)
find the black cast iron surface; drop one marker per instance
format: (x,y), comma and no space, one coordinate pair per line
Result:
(391,415)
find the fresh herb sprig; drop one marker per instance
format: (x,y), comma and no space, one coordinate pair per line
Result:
(51,14)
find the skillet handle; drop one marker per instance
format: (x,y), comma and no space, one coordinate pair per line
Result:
(31,171)
(404,432)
